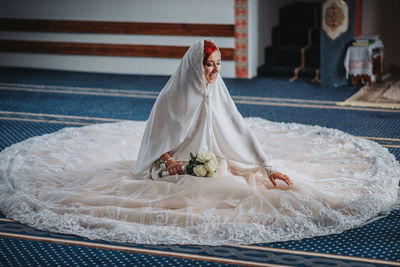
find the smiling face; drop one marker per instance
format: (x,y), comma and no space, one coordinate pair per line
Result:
(212,66)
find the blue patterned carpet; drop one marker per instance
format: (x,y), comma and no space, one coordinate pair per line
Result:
(35,102)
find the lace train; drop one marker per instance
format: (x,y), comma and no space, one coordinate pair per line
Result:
(79,181)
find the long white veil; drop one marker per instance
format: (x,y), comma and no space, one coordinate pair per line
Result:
(190,114)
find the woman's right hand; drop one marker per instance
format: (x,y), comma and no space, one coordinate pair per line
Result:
(174,167)
(280,176)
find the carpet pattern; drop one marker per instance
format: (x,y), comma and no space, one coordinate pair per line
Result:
(36,102)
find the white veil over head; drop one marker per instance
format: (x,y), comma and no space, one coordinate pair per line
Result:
(190,114)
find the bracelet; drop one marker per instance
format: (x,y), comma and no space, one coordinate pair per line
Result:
(165,162)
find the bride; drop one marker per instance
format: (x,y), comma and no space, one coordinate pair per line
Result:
(103,181)
(194,111)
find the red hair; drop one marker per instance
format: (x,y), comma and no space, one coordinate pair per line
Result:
(209,48)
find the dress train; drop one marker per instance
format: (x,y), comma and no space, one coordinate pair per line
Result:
(80,181)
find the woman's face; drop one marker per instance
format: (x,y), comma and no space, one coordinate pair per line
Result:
(212,67)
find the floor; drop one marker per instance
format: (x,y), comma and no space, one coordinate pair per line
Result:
(36,102)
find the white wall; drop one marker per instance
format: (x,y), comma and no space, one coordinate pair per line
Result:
(180,11)
(252,37)
(174,11)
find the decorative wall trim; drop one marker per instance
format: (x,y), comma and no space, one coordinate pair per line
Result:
(100,49)
(335,18)
(241,55)
(112,27)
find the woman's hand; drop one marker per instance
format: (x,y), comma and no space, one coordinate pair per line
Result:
(280,176)
(174,168)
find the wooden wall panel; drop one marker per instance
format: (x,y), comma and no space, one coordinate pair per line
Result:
(358,18)
(100,49)
(110,27)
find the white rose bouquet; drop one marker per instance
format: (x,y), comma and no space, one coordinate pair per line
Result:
(204,164)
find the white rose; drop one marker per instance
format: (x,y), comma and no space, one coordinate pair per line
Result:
(212,174)
(163,167)
(211,166)
(199,170)
(204,155)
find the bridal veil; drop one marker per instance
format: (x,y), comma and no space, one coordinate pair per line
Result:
(190,115)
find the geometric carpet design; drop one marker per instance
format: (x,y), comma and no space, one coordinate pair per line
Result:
(36,102)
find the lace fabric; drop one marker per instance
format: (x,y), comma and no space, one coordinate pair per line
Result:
(196,55)
(80,181)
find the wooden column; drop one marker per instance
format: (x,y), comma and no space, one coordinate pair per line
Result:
(358,18)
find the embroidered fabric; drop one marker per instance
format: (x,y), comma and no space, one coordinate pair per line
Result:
(196,55)
(79,181)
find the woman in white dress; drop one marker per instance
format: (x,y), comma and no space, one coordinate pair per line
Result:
(194,112)
(102,182)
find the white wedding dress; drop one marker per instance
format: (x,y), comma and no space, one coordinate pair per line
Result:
(79,181)
(94,182)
